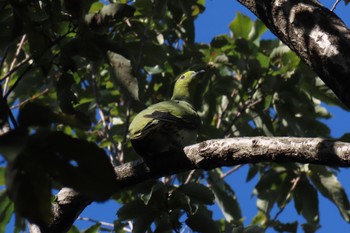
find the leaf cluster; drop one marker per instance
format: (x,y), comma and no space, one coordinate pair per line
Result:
(75,72)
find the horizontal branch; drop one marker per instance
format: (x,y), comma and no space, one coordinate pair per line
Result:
(232,151)
(208,155)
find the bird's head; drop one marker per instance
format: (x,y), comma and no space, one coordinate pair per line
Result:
(185,85)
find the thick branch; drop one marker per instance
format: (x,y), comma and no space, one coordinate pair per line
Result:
(207,155)
(315,34)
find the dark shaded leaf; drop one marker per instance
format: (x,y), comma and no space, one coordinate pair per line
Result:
(285,227)
(310,228)
(306,200)
(12,143)
(143,223)
(34,114)
(198,192)
(24,174)
(157,193)
(79,164)
(65,96)
(225,197)
(202,221)
(328,184)
(132,210)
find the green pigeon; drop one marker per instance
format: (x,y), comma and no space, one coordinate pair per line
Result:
(167,125)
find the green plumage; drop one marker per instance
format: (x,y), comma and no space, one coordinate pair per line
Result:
(169,124)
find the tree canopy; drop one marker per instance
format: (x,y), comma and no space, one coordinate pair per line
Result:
(74,73)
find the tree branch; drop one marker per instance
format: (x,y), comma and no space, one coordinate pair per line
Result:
(207,155)
(317,35)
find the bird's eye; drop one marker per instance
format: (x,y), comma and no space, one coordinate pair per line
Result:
(182,77)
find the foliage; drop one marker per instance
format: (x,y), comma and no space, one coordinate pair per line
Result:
(75,70)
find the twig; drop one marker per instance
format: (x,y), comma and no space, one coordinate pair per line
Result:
(126,130)
(56,41)
(232,170)
(19,65)
(190,175)
(30,99)
(103,117)
(20,45)
(335,5)
(107,224)
(295,182)
(246,105)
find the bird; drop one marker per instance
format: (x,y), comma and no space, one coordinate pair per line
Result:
(168,125)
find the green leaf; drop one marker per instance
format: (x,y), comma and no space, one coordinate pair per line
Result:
(225,197)
(74,229)
(6,210)
(306,200)
(93,229)
(241,26)
(2,176)
(122,71)
(257,30)
(202,221)
(328,184)
(198,192)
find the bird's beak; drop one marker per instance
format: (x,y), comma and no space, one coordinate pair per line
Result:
(198,72)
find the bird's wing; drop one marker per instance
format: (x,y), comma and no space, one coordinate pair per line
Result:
(174,112)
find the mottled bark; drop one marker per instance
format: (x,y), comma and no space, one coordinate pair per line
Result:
(207,155)
(317,35)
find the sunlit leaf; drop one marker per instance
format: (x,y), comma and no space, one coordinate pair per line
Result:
(241,26)
(93,229)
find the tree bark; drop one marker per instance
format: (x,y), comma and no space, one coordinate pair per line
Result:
(205,155)
(317,35)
